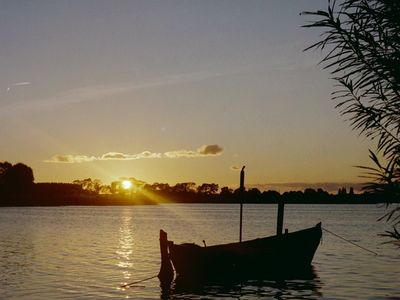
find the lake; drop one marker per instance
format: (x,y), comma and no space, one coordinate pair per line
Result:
(89,252)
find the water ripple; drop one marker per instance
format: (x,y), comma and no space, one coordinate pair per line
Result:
(88,252)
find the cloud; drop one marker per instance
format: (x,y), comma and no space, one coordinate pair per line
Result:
(210,149)
(203,151)
(235,168)
(22,83)
(97,92)
(113,156)
(122,156)
(68,158)
(181,153)
(103,91)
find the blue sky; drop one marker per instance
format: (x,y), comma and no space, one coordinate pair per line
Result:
(106,89)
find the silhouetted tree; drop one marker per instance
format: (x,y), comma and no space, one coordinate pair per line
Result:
(226,194)
(293,196)
(351,191)
(184,187)
(16,178)
(105,190)
(362,40)
(89,184)
(271,196)
(163,187)
(226,191)
(208,188)
(4,167)
(254,193)
(114,188)
(310,194)
(322,195)
(310,191)
(55,189)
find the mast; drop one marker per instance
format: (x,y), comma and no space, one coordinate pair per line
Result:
(279,221)
(241,201)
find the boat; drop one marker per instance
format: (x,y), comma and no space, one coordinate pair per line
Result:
(284,255)
(281,255)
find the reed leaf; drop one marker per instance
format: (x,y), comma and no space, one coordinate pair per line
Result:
(361,39)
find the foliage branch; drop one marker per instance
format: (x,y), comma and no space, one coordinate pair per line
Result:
(361,42)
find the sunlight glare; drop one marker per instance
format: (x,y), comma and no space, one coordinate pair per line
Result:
(126,184)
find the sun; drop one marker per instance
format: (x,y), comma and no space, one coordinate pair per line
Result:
(126,184)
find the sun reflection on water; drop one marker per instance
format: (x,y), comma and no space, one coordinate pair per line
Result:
(125,250)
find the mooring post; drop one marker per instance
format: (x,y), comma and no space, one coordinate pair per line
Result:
(279,221)
(166,273)
(241,201)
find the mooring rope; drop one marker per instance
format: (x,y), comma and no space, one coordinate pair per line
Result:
(349,241)
(139,281)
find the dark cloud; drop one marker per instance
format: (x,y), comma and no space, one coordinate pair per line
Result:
(205,150)
(210,149)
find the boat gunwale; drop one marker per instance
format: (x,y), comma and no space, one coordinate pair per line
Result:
(317,227)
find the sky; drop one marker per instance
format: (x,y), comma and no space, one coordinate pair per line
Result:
(171,91)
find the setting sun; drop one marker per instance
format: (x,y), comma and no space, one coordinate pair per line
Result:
(126,184)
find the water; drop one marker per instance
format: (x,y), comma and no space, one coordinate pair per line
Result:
(88,252)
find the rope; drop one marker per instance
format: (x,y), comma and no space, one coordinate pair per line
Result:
(349,241)
(139,281)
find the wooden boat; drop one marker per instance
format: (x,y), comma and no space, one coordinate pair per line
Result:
(280,255)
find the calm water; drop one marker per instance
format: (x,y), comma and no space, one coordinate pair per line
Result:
(88,252)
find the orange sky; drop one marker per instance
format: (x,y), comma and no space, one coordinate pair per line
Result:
(173,92)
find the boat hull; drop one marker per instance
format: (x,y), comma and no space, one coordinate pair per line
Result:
(286,255)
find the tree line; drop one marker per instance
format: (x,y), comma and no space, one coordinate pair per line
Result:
(17,188)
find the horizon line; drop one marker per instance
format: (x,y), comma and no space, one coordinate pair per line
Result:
(329,186)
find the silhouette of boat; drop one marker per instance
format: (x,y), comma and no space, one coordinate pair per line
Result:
(282,255)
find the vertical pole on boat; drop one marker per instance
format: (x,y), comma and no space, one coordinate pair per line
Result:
(279,221)
(166,273)
(241,201)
